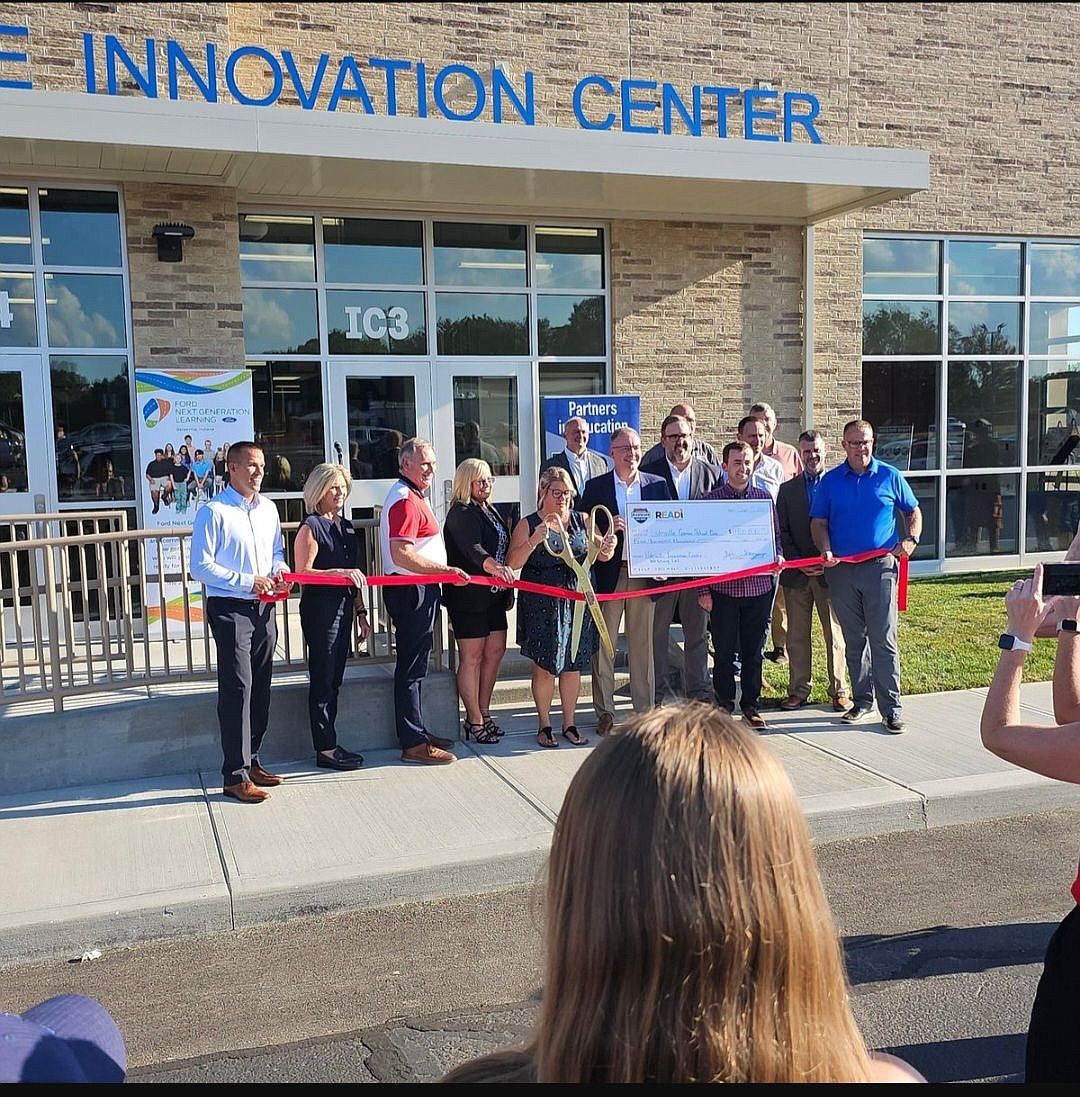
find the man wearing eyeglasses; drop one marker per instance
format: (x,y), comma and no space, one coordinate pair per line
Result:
(581,462)
(688,477)
(618,490)
(412,544)
(853,511)
(697,447)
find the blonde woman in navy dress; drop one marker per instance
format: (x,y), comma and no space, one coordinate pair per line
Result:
(327,543)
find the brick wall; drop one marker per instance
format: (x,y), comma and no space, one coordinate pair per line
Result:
(189,313)
(711,314)
(987,89)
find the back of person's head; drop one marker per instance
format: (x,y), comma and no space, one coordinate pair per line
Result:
(689,938)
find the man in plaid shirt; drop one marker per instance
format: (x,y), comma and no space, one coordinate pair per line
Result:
(739,609)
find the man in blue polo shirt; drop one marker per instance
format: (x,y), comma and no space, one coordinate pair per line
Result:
(854,511)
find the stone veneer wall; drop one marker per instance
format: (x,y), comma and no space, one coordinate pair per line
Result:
(987,89)
(190,313)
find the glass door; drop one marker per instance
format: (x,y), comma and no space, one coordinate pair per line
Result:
(374,407)
(487,410)
(24,446)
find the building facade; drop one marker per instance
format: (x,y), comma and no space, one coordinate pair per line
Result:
(421,218)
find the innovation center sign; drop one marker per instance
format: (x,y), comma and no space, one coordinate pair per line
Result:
(255,76)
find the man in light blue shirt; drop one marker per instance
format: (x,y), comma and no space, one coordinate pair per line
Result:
(854,511)
(237,554)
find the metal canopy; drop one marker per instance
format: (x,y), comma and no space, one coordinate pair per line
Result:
(350,159)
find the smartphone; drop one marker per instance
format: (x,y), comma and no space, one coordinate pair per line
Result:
(1061,579)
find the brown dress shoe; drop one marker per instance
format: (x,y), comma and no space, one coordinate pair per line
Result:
(792,702)
(427,755)
(439,741)
(262,777)
(246,793)
(841,702)
(754,718)
(605,723)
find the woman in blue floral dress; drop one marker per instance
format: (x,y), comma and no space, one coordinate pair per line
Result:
(544,621)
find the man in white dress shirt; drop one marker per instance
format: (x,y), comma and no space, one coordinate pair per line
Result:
(689,477)
(581,462)
(237,554)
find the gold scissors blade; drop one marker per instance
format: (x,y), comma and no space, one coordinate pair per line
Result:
(581,571)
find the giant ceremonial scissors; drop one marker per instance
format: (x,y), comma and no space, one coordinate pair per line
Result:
(581,570)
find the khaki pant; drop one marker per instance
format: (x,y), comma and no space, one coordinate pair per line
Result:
(780,621)
(800,608)
(639,626)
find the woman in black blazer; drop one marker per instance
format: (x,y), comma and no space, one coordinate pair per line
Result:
(476,540)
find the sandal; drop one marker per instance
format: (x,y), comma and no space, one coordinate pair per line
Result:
(478,732)
(572,735)
(546,737)
(492,726)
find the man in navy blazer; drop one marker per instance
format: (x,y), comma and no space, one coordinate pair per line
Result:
(688,476)
(617,490)
(582,463)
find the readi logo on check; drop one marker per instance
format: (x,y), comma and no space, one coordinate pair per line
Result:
(669,514)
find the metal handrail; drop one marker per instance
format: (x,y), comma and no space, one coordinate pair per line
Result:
(75,610)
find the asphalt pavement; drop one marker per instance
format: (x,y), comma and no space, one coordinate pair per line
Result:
(96,868)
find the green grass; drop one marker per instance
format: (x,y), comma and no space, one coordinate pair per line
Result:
(948,638)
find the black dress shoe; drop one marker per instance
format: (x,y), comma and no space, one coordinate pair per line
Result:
(350,754)
(338,760)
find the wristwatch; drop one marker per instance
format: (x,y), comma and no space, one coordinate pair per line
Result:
(912,537)
(1008,642)
(1066,625)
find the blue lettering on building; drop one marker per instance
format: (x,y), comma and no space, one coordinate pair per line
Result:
(255,76)
(16,59)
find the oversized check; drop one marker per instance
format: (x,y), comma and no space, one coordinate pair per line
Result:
(701,537)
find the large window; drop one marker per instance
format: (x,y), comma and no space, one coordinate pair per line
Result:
(322,288)
(63,294)
(971,377)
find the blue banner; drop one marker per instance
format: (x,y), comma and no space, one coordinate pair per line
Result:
(604,414)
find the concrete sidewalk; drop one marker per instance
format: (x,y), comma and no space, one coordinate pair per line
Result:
(111,865)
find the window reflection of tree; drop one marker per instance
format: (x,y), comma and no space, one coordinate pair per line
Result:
(900,331)
(583,332)
(981,340)
(482,335)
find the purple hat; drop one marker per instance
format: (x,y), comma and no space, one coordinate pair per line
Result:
(69,1038)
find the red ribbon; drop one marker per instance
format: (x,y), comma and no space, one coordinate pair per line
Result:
(315,578)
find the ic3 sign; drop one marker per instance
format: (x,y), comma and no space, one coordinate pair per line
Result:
(377,323)
(6,318)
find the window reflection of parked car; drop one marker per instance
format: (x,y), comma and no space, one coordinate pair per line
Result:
(12,447)
(98,442)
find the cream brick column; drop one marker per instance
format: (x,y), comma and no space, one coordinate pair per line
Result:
(711,314)
(188,313)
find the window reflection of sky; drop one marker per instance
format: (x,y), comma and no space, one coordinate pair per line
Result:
(990,268)
(279,321)
(1055,270)
(85,310)
(901,266)
(20,291)
(14,228)
(510,307)
(80,237)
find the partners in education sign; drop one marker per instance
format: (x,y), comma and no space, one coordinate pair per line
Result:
(187,420)
(604,414)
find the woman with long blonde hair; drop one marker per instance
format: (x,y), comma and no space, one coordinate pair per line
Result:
(689,938)
(477,539)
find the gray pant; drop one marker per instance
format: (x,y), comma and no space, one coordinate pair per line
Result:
(864,598)
(695,656)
